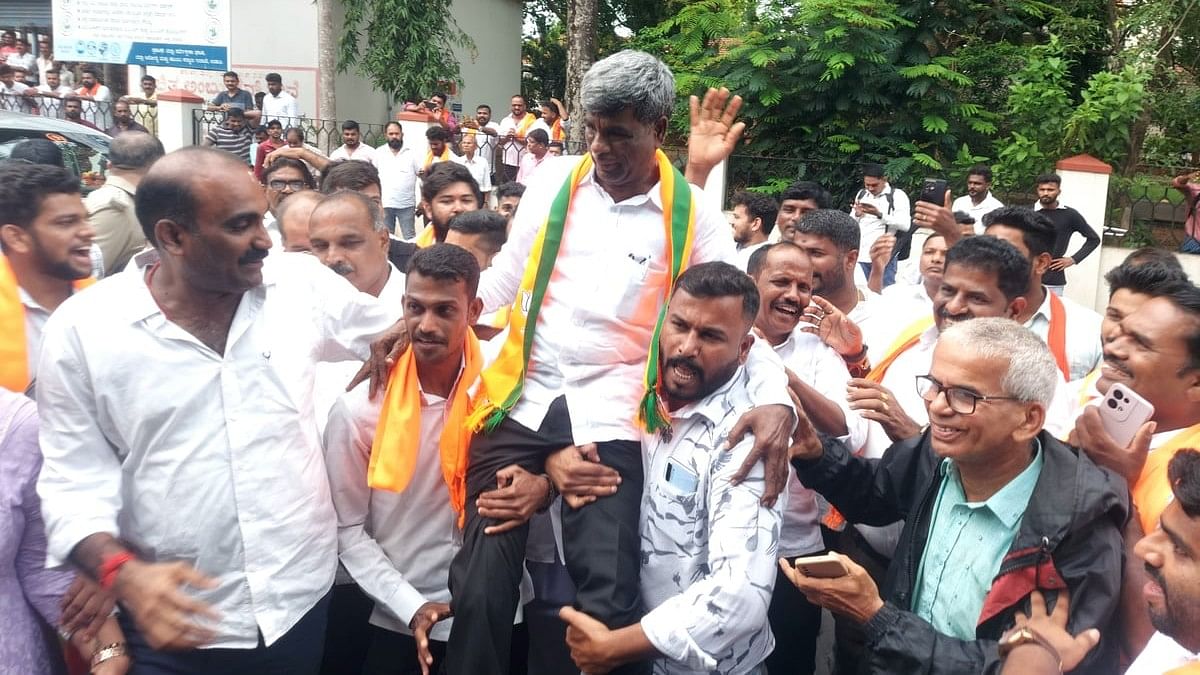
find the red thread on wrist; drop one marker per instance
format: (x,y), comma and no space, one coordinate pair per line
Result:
(111,565)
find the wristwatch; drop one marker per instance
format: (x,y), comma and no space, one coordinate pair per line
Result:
(1023,636)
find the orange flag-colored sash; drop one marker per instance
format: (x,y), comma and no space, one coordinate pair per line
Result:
(14,355)
(903,342)
(1152,491)
(397,435)
(1056,339)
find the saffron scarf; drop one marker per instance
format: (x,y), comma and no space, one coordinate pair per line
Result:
(501,384)
(523,126)
(907,338)
(556,131)
(1152,491)
(1056,339)
(398,437)
(1086,385)
(427,237)
(444,157)
(14,356)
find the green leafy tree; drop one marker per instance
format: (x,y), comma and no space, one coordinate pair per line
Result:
(403,46)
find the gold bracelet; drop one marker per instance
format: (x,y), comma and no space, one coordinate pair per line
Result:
(107,652)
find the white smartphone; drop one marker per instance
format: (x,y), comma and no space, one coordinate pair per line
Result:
(826,566)
(1123,412)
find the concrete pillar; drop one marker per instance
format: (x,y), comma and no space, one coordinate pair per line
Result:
(1085,189)
(176,118)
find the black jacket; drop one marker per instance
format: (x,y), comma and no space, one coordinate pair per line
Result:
(1069,537)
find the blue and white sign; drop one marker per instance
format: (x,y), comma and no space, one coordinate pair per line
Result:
(177,33)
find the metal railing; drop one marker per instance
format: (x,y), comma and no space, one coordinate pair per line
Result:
(98,113)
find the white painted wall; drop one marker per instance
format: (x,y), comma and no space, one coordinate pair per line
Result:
(1087,193)
(1108,257)
(281,36)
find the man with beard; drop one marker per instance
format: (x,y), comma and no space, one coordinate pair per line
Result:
(73,112)
(398,168)
(45,239)
(979,200)
(352,146)
(397,526)
(213,524)
(233,135)
(752,221)
(993,508)
(818,377)
(1067,221)
(96,95)
(1170,554)
(123,120)
(708,543)
(511,139)
(486,131)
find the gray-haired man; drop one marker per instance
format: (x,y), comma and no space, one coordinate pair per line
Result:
(590,327)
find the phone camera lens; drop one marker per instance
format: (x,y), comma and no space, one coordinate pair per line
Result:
(1112,404)
(1118,395)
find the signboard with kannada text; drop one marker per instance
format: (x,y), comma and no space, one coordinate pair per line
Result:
(177,33)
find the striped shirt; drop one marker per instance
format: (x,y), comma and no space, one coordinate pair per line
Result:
(238,142)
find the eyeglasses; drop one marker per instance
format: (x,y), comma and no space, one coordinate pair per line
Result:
(295,185)
(961,401)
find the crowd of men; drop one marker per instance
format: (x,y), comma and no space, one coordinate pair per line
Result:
(599,427)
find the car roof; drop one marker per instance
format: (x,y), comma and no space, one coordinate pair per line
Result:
(24,121)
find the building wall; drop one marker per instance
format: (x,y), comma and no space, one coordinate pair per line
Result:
(492,74)
(281,36)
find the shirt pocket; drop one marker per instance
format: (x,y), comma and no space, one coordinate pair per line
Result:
(630,287)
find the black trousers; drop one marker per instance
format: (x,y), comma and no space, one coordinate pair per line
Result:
(392,653)
(600,541)
(347,635)
(298,652)
(796,623)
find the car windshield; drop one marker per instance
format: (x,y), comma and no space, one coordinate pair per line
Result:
(84,155)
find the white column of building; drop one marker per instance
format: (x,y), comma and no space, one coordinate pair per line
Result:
(1085,189)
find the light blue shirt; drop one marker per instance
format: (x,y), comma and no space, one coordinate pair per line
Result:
(967,542)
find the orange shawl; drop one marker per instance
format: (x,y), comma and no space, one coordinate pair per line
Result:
(14,357)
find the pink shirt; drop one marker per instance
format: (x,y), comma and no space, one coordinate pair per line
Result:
(529,166)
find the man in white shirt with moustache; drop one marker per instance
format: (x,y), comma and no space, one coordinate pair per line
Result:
(708,542)
(201,498)
(818,378)
(918,297)
(486,132)
(352,146)
(979,200)
(880,208)
(397,544)
(1071,330)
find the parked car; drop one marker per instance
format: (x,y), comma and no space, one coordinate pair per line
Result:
(84,150)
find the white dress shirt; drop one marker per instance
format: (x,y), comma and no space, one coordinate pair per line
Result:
(905,299)
(363,152)
(598,316)
(190,455)
(977,211)
(282,107)
(708,546)
(397,176)
(332,378)
(480,170)
(513,151)
(871,227)
(35,323)
(396,545)
(878,324)
(1084,351)
(487,143)
(824,370)
(1162,655)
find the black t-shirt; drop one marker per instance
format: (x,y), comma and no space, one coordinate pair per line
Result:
(1066,222)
